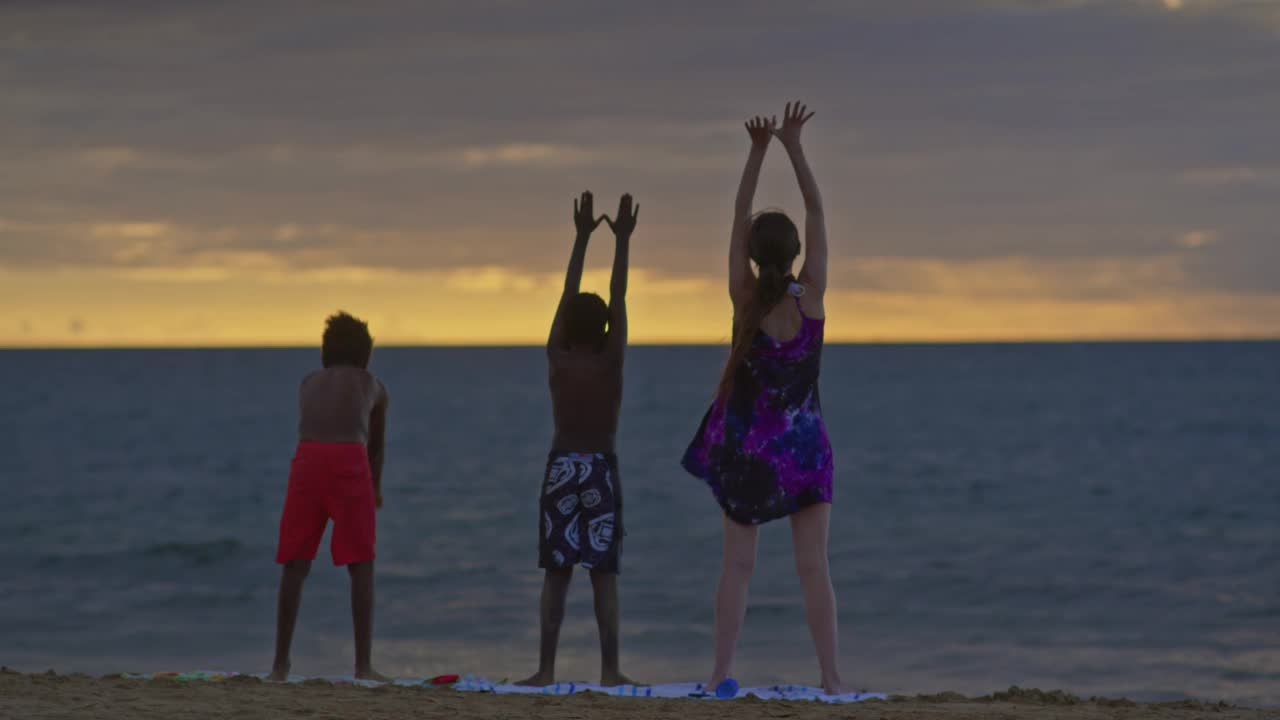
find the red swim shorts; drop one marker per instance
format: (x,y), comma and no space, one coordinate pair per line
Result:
(329,480)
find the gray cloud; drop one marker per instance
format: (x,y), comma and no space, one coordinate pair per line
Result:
(407,135)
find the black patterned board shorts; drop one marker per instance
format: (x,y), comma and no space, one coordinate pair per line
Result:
(581,510)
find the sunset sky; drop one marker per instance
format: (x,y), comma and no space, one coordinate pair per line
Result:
(218,173)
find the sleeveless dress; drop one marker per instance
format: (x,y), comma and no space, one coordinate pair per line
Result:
(764,450)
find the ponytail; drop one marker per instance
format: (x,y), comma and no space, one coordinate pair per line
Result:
(771,287)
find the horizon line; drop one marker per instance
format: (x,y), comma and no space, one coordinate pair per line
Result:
(671,343)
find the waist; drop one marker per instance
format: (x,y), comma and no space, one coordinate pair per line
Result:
(337,450)
(611,458)
(333,436)
(599,445)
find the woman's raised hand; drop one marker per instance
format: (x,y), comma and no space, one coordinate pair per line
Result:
(760,129)
(793,119)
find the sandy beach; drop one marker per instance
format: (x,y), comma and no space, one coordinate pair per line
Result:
(47,695)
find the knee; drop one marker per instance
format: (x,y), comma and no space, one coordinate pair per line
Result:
(739,567)
(297,569)
(554,614)
(555,593)
(558,579)
(601,579)
(812,569)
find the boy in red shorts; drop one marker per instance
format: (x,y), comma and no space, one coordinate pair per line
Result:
(336,474)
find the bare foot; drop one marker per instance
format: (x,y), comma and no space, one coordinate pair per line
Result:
(279,673)
(616,678)
(833,687)
(374,675)
(710,688)
(539,679)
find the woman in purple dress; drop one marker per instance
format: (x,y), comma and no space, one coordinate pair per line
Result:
(763,447)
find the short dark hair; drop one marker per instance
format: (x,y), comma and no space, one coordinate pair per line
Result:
(585,318)
(346,341)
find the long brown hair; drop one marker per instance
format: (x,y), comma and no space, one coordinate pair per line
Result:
(773,243)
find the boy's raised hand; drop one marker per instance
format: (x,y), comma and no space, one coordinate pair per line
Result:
(793,120)
(584,214)
(760,130)
(625,223)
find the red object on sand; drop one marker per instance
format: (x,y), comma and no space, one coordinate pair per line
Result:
(444,679)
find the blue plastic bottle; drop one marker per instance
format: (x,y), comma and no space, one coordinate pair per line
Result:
(727,688)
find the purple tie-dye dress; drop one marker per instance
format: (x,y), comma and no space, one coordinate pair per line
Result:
(765,451)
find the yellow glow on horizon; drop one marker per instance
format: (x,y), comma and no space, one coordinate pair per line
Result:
(253,301)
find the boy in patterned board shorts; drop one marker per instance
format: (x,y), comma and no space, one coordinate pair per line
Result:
(580,511)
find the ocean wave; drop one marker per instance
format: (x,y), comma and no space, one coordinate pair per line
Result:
(197,553)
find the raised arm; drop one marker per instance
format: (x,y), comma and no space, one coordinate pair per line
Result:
(622,228)
(584,223)
(814,272)
(741,279)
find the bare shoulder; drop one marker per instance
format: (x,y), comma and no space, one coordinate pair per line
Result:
(811,302)
(612,354)
(556,356)
(373,386)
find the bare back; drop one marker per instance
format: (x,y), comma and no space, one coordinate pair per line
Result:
(785,320)
(336,405)
(586,397)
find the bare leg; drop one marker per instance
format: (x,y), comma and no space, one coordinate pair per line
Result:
(288,601)
(555,588)
(809,539)
(731,594)
(362,619)
(604,587)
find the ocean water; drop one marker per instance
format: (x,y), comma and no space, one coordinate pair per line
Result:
(1102,518)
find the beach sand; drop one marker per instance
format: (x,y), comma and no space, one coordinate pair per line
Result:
(46,695)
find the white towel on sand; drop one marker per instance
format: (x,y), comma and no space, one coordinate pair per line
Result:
(475,683)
